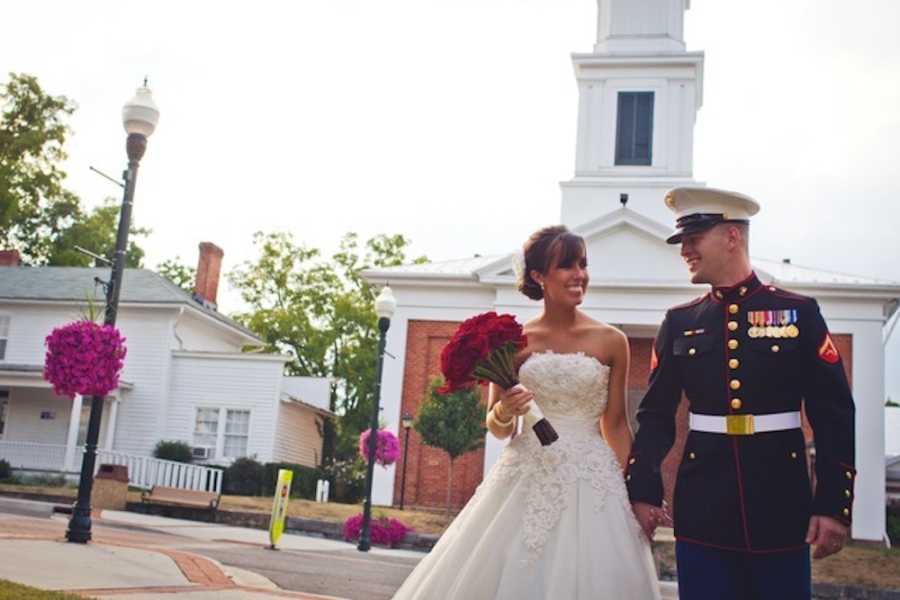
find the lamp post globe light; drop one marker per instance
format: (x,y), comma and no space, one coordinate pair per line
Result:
(406,421)
(139,117)
(385,305)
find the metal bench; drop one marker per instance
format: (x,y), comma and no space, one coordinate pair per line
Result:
(169,496)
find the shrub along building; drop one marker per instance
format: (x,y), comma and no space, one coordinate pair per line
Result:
(185,376)
(639,92)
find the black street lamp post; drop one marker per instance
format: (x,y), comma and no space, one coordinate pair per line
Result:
(406,421)
(384,308)
(139,116)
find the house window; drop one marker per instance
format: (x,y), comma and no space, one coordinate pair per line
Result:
(237,432)
(4,335)
(634,129)
(206,428)
(4,403)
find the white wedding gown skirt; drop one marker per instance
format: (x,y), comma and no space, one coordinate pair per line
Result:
(548,522)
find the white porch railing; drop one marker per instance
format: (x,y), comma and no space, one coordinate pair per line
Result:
(143,471)
(146,471)
(29,455)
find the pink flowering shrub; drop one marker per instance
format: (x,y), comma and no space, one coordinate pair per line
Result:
(387,447)
(384,531)
(84,358)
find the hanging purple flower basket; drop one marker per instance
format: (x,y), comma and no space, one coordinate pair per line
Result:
(84,358)
(387,447)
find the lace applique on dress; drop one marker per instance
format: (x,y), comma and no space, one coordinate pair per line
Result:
(572,390)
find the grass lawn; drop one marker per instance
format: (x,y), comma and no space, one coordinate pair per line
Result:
(15,591)
(856,564)
(421,521)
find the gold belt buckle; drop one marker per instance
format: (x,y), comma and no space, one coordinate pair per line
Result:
(739,424)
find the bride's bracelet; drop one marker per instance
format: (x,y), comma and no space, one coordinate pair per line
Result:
(500,421)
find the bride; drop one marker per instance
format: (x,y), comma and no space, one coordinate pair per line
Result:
(551,521)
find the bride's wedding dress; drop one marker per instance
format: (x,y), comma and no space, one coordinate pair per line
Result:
(548,522)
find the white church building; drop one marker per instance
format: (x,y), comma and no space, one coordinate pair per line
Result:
(639,93)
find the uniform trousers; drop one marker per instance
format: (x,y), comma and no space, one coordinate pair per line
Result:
(706,573)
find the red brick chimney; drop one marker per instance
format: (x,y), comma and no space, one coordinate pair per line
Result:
(10,258)
(208,268)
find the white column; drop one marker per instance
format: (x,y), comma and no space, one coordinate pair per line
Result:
(72,436)
(111,423)
(868,392)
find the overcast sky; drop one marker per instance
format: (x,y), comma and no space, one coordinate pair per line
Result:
(453,122)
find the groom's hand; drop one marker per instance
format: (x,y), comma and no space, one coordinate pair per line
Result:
(648,517)
(827,534)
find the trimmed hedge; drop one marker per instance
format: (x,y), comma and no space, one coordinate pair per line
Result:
(5,470)
(173,450)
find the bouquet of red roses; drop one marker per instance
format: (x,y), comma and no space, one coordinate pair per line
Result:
(483,350)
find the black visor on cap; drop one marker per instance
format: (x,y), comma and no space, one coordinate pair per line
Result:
(697,222)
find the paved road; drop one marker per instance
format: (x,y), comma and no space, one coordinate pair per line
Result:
(344,573)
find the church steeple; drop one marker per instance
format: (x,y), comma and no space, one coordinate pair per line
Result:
(640,26)
(638,97)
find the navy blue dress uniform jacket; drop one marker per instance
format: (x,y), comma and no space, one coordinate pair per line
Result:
(747,492)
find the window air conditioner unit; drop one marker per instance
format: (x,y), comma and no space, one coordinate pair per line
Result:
(201,452)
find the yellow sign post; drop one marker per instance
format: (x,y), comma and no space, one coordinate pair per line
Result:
(279,506)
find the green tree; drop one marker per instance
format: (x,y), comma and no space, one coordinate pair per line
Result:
(321,313)
(34,205)
(453,422)
(95,231)
(178,273)
(38,215)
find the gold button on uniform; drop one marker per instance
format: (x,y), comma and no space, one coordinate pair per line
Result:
(742,291)
(692,351)
(628,477)
(849,475)
(847,493)
(735,384)
(733,344)
(734,363)
(732,325)
(718,294)
(736,403)
(793,455)
(846,512)
(631,461)
(776,348)
(733,309)
(692,456)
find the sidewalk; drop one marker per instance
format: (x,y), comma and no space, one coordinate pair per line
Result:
(126,564)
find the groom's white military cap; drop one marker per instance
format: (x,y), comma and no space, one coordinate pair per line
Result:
(699,208)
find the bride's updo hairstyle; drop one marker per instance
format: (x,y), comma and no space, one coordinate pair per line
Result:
(554,246)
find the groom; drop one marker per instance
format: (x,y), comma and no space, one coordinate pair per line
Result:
(746,355)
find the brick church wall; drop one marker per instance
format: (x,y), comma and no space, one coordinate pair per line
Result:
(427,471)
(426,475)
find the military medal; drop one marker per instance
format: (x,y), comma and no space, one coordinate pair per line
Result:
(792,330)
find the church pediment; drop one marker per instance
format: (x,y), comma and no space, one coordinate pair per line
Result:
(623,246)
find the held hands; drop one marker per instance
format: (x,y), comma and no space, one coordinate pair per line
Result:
(650,517)
(513,403)
(827,534)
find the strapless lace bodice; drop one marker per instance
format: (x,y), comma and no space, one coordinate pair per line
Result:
(572,391)
(567,386)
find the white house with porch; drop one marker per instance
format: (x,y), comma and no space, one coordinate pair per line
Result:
(639,93)
(185,378)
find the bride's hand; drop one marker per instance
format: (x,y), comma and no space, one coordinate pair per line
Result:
(514,402)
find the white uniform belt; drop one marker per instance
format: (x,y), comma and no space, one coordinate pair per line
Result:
(745,424)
